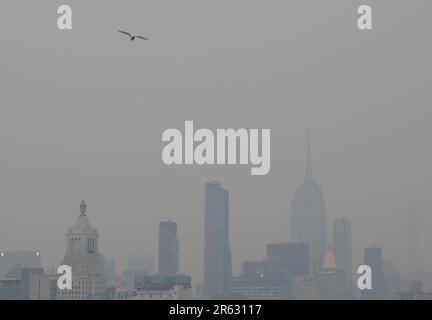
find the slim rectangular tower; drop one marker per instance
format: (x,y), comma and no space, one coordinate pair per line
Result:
(168,248)
(342,248)
(373,258)
(217,254)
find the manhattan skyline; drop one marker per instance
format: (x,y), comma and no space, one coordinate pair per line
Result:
(82,119)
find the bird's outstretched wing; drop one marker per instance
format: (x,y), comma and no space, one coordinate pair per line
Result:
(141,37)
(126,33)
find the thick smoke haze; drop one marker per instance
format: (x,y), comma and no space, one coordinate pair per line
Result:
(82,113)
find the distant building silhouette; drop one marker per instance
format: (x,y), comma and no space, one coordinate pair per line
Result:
(174,287)
(308,218)
(415,292)
(24,284)
(168,248)
(330,278)
(110,276)
(265,286)
(138,266)
(253,268)
(342,247)
(373,258)
(83,256)
(217,254)
(53,277)
(392,283)
(290,258)
(23,259)
(412,254)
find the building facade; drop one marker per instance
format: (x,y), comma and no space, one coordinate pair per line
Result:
(415,292)
(217,254)
(331,279)
(24,284)
(174,287)
(290,258)
(83,256)
(23,259)
(168,248)
(342,247)
(373,258)
(265,286)
(308,217)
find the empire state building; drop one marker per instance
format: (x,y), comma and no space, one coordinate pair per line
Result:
(308,217)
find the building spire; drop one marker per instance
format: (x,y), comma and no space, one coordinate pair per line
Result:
(83,208)
(308,164)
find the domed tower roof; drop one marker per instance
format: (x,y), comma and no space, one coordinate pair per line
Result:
(82,224)
(83,256)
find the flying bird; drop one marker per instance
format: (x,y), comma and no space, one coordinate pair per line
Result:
(133,37)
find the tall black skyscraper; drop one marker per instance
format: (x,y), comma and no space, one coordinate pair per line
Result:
(168,248)
(308,218)
(373,258)
(217,254)
(342,248)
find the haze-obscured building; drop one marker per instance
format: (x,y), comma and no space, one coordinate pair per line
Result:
(168,248)
(373,258)
(306,288)
(138,266)
(174,287)
(25,259)
(24,284)
(308,217)
(82,254)
(331,279)
(110,276)
(415,292)
(261,286)
(217,254)
(342,248)
(253,268)
(391,281)
(53,277)
(290,258)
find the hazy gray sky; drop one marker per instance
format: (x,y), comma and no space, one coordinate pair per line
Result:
(82,113)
